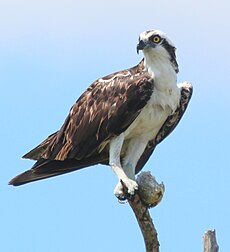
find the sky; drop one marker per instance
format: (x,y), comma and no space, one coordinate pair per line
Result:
(50,52)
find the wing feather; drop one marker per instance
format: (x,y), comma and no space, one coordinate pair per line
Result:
(104,110)
(45,168)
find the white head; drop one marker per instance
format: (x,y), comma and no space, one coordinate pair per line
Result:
(157,42)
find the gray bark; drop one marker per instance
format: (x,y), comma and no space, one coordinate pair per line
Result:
(209,241)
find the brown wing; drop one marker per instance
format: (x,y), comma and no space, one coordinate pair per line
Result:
(105,110)
(169,125)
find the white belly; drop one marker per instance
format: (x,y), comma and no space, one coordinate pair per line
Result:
(153,115)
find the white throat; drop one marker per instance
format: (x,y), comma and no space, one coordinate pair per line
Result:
(160,68)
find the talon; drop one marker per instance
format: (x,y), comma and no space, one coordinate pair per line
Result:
(131,187)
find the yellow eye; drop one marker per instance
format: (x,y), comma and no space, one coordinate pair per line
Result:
(156,39)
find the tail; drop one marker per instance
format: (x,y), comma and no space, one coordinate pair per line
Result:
(44,168)
(47,168)
(29,176)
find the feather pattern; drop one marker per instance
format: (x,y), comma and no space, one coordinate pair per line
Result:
(119,119)
(45,168)
(106,109)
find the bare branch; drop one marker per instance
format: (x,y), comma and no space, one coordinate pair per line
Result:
(149,195)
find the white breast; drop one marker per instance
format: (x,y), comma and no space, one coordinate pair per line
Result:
(164,100)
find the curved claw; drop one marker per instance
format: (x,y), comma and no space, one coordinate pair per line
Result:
(125,189)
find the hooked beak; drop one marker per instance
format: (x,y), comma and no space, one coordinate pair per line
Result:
(141,45)
(144,44)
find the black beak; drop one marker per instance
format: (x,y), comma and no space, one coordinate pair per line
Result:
(140,46)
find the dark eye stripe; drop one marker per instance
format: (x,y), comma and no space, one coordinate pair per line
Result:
(171,51)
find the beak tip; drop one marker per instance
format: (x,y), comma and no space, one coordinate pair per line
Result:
(140,46)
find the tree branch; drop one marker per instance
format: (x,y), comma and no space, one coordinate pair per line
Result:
(149,195)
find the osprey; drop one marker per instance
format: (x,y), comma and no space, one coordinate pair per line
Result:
(118,120)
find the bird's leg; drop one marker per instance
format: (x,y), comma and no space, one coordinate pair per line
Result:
(115,163)
(133,154)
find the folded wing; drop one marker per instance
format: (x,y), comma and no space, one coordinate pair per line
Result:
(106,109)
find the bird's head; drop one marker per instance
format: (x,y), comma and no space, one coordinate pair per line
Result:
(156,42)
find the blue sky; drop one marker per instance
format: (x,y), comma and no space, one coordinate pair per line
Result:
(50,52)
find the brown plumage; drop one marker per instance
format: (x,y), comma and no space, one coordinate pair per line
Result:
(106,109)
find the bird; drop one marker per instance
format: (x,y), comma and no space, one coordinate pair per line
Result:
(119,120)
